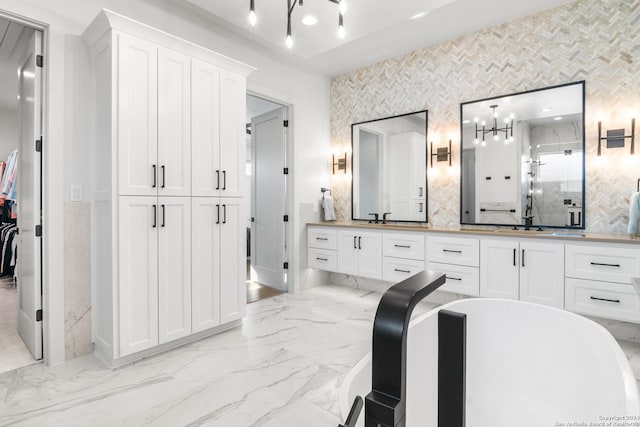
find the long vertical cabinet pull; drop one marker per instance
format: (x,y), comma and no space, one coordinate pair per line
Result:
(523,257)
(217,179)
(218,218)
(163,215)
(514,257)
(155,215)
(224,180)
(224,214)
(155,176)
(163,176)
(359,242)
(355,242)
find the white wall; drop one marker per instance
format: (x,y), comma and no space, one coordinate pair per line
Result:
(8,132)
(68,127)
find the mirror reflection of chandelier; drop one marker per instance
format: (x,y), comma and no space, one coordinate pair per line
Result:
(494,130)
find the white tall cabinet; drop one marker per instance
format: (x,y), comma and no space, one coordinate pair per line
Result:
(168,204)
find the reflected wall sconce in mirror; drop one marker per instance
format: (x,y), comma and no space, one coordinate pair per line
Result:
(441,154)
(341,163)
(615,137)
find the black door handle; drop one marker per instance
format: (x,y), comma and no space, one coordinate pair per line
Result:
(224,212)
(359,242)
(163,215)
(155,214)
(523,257)
(449,250)
(514,256)
(605,265)
(355,240)
(421,207)
(403,246)
(420,188)
(153,167)
(617,301)
(322,259)
(163,175)
(218,219)
(224,180)
(217,179)
(402,271)
(321,238)
(454,278)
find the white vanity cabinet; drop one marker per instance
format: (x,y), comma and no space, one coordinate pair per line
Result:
(168,259)
(360,253)
(526,270)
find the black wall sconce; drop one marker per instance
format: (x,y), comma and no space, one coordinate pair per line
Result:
(442,154)
(615,137)
(341,163)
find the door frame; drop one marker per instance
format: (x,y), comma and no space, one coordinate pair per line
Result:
(290,250)
(52,190)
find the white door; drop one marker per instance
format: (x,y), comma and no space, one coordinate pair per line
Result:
(499,268)
(138,273)
(348,250)
(542,273)
(137,116)
(205,263)
(268,198)
(205,129)
(30,209)
(370,255)
(174,264)
(174,123)
(233,253)
(233,93)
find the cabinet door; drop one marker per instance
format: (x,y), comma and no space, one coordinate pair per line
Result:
(174,124)
(137,116)
(542,273)
(233,95)
(205,263)
(499,268)
(205,129)
(347,252)
(138,274)
(370,255)
(233,255)
(174,264)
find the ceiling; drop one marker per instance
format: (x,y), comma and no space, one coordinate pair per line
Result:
(375,29)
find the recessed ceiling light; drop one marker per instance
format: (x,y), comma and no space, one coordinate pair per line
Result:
(309,20)
(419,15)
(546,110)
(557,118)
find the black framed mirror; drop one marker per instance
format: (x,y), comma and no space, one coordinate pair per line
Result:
(523,159)
(389,166)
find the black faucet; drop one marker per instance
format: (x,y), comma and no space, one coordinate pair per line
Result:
(375,216)
(528,222)
(384,217)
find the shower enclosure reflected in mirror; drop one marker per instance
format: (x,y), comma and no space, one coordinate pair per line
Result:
(390,168)
(523,159)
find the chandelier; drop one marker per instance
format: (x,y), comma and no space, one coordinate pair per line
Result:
(495,130)
(291,4)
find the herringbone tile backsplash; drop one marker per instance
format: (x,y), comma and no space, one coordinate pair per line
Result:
(593,40)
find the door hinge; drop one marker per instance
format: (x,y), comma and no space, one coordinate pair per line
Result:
(286,123)
(39,315)
(39,60)
(286,266)
(286,171)
(38,230)
(286,218)
(39,145)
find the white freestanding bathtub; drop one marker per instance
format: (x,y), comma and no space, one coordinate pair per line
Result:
(528,365)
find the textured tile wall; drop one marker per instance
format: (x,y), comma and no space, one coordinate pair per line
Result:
(593,40)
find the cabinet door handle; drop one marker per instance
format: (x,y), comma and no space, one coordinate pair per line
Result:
(217,179)
(322,259)
(452,251)
(523,257)
(321,238)
(421,207)
(420,190)
(224,211)
(153,168)
(163,215)
(454,278)
(514,257)
(605,265)
(403,246)
(155,214)
(163,176)
(617,301)
(402,271)
(359,242)
(224,180)
(218,219)
(355,242)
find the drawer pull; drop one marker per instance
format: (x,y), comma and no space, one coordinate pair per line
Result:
(617,301)
(605,265)
(452,251)
(403,246)
(454,278)
(402,271)
(322,259)
(321,238)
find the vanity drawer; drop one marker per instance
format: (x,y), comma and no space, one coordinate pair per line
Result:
(400,245)
(460,279)
(323,259)
(609,264)
(603,299)
(322,238)
(397,269)
(453,250)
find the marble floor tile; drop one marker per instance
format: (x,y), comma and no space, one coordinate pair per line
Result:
(283,367)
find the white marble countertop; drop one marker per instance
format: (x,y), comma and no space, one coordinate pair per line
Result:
(547,233)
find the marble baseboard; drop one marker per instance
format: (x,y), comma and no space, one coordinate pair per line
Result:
(77,278)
